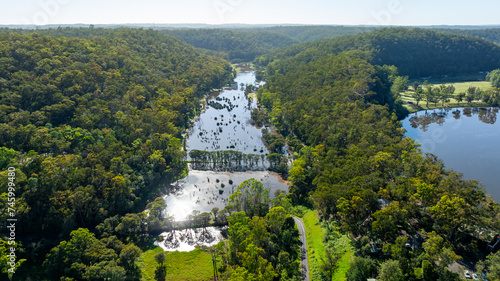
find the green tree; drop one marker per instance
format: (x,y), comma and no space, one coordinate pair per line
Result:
(429,94)
(389,221)
(494,78)
(460,97)
(490,266)
(157,208)
(399,85)
(7,157)
(129,255)
(161,269)
(415,85)
(418,95)
(390,271)
(361,269)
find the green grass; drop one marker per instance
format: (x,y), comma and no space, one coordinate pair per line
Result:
(316,247)
(194,265)
(344,263)
(459,87)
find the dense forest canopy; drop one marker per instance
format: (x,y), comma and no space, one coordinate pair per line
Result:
(416,52)
(92,120)
(357,168)
(239,46)
(492,34)
(245,43)
(311,32)
(92,125)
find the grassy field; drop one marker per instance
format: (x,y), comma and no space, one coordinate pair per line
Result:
(316,247)
(459,87)
(181,266)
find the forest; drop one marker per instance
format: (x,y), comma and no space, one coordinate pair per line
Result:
(415,52)
(92,120)
(408,216)
(92,127)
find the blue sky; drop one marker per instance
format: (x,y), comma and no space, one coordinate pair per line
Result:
(354,12)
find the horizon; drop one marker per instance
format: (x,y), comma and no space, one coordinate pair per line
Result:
(241,25)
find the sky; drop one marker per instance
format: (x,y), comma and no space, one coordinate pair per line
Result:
(353,12)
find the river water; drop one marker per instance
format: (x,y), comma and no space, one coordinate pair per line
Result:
(466,139)
(226,128)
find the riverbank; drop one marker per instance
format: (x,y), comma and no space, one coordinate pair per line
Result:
(410,103)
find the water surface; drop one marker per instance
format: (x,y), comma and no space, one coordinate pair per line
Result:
(226,127)
(466,139)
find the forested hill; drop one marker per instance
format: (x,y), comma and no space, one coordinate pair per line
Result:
(311,32)
(231,45)
(416,52)
(360,172)
(238,46)
(91,126)
(492,34)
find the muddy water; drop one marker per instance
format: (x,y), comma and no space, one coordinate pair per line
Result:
(225,126)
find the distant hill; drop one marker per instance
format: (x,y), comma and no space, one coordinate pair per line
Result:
(492,34)
(239,46)
(312,32)
(416,52)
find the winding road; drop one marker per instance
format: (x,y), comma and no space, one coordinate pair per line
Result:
(304,261)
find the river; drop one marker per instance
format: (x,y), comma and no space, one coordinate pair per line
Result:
(466,139)
(224,124)
(226,128)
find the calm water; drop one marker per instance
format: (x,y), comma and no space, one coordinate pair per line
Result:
(226,128)
(466,139)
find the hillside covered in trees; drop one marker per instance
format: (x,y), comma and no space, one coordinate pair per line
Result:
(92,120)
(91,127)
(359,171)
(492,34)
(415,52)
(235,46)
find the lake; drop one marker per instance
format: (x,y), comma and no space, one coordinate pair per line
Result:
(466,139)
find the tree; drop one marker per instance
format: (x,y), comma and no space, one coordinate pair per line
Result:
(7,156)
(469,98)
(390,271)
(361,269)
(445,92)
(473,93)
(439,252)
(329,264)
(415,85)
(388,221)
(490,266)
(418,95)
(129,255)
(157,208)
(399,85)
(251,197)
(450,213)
(494,78)
(215,211)
(429,95)
(460,97)
(275,218)
(161,269)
